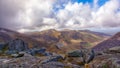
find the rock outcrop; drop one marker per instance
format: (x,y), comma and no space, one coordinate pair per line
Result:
(52,58)
(2,45)
(86,55)
(109,59)
(17,45)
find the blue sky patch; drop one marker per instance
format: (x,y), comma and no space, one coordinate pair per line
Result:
(82,1)
(61,3)
(102,2)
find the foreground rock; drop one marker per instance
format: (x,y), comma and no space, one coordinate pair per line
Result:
(109,59)
(114,50)
(81,57)
(52,58)
(17,45)
(29,61)
(14,46)
(39,52)
(17,55)
(2,45)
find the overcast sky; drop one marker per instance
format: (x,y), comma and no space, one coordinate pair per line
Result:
(37,15)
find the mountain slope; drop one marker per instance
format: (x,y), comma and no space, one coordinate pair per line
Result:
(7,35)
(66,40)
(56,41)
(55,36)
(109,43)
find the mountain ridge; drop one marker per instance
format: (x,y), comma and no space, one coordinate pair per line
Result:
(54,40)
(109,43)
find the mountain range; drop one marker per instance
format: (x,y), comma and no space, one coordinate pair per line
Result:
(64,49)
(54,40)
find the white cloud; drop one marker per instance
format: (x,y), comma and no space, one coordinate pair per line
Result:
(106,16)
(35,11)
(49,21)
(37,15)
(75,15)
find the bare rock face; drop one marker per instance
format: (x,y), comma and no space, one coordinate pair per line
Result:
(84,55)
(52,58)
(18,45)
(2,46)
(115,49)
(35,51)
(13,47)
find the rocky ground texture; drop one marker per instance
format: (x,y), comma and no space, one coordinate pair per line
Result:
(16,54)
